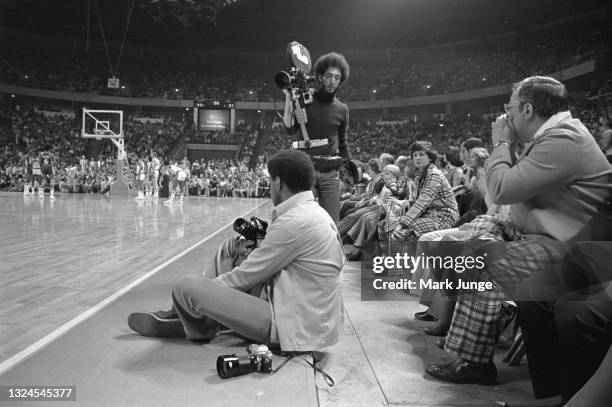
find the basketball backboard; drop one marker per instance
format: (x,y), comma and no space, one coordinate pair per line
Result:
(101,124)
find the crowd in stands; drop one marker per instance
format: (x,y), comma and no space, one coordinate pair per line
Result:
(31,130)
(486,64)
(31,62)
(227,178)
(244,135)
(370,138)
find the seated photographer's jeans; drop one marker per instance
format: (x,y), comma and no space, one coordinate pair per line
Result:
(327,188)
(200,302)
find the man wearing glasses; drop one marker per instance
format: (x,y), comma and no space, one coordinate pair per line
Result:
(327,121)
(552,202)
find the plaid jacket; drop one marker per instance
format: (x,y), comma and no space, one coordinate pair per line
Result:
(434,198)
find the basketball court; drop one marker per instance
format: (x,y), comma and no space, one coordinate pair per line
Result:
(73,269)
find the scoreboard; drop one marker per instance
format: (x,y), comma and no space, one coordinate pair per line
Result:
(210,115)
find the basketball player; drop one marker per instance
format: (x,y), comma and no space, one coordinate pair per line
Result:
(154,174)
(36,175)
(148,187)
(179,175)
(26,164)
(141,176)
(47,169)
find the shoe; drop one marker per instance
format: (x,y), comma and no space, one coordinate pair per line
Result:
(440,342)
(355,255)
(424,316)
(170,314)
(437,330)
(460,371)
(149,324)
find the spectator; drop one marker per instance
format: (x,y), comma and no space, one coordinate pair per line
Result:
(545,177)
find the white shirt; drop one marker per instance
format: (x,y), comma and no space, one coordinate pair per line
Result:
(303,254)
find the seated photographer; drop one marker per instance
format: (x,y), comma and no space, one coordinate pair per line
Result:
(299,262)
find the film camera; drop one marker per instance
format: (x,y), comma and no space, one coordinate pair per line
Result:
(298,80)
(258,359)
(251,230)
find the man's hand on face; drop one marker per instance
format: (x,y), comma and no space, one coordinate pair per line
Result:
(502,131)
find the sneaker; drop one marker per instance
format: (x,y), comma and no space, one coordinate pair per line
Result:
(150,324)
(170,314)
(168,202)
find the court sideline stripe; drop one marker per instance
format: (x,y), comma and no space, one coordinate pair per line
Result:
(47,339)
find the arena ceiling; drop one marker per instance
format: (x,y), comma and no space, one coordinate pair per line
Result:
(271,24)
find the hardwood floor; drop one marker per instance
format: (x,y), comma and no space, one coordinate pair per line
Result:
(59,258)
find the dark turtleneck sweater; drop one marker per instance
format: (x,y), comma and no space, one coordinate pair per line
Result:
(327,118)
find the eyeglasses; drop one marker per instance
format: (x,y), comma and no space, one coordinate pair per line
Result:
(508,106)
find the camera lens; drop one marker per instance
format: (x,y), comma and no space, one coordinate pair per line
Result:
(282,80)
(232,365)
(240,225)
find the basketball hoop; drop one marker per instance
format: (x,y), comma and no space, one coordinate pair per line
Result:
(106,124)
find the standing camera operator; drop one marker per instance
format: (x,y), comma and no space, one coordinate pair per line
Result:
(327,126)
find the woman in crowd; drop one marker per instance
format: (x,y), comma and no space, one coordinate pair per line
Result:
(433,206)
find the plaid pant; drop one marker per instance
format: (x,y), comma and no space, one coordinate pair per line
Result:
(476,321)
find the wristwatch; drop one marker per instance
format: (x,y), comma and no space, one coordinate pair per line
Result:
(500,143)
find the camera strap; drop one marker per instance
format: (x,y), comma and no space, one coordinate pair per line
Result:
(326,376)
(313,143)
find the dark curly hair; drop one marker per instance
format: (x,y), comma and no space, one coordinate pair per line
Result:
(335,60)
(294,168)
